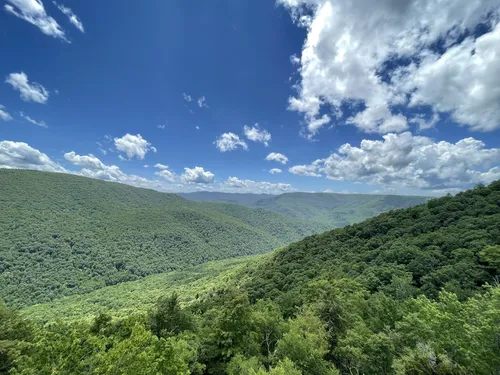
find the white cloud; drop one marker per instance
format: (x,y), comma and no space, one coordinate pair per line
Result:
(404,160)
(344,63)
(229,142)
(234,184)
(161,126)
(197,127)
(275,171)
(104,152)
(34,122)
(424,123)
(202,102)
(20,155)
(73,18)
(165,173)
(33,11)
(84,161)
(197,175)
(133,146)
(4,115)
(257,135)
(305,170)
(464,81)
(29,92)
(276,156)
(187,97)
(146,166)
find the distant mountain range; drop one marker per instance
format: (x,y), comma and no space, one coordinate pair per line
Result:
(331,209)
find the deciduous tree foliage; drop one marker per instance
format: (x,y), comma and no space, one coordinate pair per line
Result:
(411,292)
(62,234)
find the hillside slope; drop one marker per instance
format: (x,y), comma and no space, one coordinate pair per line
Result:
(63,234)
(334,210)
(429,247)
(405,293)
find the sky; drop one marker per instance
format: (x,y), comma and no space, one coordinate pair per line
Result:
(359,96)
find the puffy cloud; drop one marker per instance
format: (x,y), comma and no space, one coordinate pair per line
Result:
(33,11)
(344,64)
(4,115)
(229,142)
(73,18)
(34,122)
(187,97)
(165,172)
(404,160)
(29,92)
(84,161)
(133,146)
(464,81)
(276,156)
(305,170)
(202,102)
(94,168)
(20,155)
(197,175)
(257,135)
(234,184)
(275,171)
(161,126)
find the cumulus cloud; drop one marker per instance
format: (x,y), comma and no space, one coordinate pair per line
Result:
(161,126)
(20,155)
(187,97)
(256,134)
(202,102)
(229,142)
(94,168)
(276,156)
(197,175)
(34,122)
(305,170)
(4,115)
(33,91)
(463,81)
(33,11)
(345,64)
(165,172)
(73,18)
(133,146)
(404,160)
(234,184)
(275,171)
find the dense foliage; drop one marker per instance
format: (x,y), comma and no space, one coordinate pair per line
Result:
(334,210)
(411,292)
(63,234)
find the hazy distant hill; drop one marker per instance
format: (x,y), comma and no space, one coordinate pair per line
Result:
(334,210)
(62,234)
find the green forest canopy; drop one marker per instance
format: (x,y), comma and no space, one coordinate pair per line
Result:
(410,292)
(63,234)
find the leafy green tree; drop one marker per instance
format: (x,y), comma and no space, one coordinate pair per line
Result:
(168,318)
(305,343)
(267,322)
(423,360)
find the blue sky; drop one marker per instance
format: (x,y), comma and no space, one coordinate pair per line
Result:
(351,109)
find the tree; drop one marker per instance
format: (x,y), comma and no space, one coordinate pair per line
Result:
(168,318)
(305,344)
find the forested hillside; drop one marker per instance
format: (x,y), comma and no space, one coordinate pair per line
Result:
(334,210)
(63,234)
(410,292)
